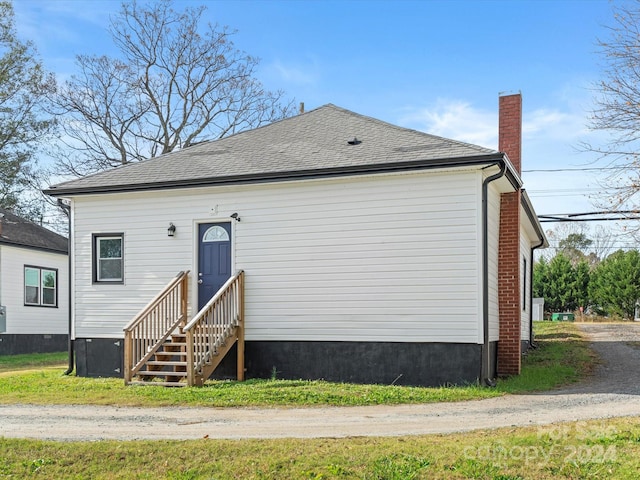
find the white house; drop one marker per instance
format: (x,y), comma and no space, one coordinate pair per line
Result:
(371,253)
(34,282)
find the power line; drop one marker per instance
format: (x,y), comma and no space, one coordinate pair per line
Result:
(612,219)
(577,169)
(567,190)
(602,216)
(553,194)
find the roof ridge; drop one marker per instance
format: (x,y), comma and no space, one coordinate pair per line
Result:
(261,127)
(200,144)
(315,142)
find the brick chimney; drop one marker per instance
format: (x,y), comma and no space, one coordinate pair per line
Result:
(509,261)
(510,128)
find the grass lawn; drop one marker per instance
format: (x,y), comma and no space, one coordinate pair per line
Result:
(39,361)
(594,449)
(561,358)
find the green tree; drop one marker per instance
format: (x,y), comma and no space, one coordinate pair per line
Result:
(540,277)
(175,83)
(563,286)
(24,87)
(581,285)
(615,283)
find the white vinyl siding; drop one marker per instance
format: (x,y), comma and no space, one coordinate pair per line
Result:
(493,232)
(30,319)
(390,258)
(525,288)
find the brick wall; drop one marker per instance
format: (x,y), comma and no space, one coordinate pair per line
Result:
(510,128)
(509,265)
(509,285)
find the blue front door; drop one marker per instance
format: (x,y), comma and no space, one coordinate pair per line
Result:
(214,259)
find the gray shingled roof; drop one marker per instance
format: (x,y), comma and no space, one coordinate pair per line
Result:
(313,143)
(15,230)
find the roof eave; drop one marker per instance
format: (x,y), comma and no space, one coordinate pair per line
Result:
(10,243)
(525,201)
(296,175)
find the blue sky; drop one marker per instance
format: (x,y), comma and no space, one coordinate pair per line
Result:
(436,66)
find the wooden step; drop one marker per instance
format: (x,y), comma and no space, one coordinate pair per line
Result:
(168,356)
(164,351)
(161,373)
(158,384)
(167,363)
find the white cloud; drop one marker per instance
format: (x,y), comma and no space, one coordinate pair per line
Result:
(299,75)
(455,119)
(554,124)
(45,22)
(460,120)
(551,137)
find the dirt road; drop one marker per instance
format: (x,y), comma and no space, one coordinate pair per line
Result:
(614,391)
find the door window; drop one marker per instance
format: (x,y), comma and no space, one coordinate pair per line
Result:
(215,234)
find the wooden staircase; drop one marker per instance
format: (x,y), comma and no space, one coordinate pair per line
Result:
(168,365)
(162,349)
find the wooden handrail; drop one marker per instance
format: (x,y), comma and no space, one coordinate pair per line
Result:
(213,300)
(140,316)
(214,329)
(148,330)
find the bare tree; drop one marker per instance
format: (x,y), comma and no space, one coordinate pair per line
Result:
(174,84)
(578,242)
(603,242)
(617,109)
(24,86)
(561,231)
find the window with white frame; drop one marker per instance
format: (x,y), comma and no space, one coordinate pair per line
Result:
(40,286)
(108,260)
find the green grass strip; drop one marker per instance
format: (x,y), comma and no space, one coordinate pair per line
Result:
(596,450)
(562,357)
(9,363)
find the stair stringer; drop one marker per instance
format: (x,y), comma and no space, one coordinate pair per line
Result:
(224,345)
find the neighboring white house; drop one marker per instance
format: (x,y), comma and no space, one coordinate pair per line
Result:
(34,282)
(371,252)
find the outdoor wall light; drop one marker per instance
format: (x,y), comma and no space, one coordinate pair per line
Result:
(171,231)
(235,216)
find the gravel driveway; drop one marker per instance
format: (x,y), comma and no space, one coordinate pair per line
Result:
(614,391)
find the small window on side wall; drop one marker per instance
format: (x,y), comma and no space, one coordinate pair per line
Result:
(108,259)
(524,283)
(40,286)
